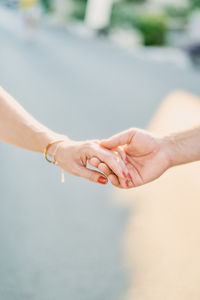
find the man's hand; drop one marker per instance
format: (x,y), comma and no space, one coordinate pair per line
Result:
(146,156)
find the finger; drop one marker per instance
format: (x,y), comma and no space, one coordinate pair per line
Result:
(126,161)
(114,180)
(128,182)
(110,158)
(123,162)
(94,162)
(112,162)
(136,178)
(123,183)
(119,139)
(122,154)
(104,169)
(93,176)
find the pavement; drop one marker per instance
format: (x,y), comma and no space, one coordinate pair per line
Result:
(163,233)
(65,241)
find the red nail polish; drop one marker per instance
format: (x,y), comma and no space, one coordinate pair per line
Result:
(124,174)
(126,160)
(102,180)
(129,176)
(127,183)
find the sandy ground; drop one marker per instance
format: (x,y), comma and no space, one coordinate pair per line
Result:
(162,242)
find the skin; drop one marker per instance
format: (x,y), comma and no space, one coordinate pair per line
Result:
(19,128)
(148,156)
(129,159)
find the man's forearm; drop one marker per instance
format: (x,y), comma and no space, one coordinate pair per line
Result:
(19,128)
(183,147)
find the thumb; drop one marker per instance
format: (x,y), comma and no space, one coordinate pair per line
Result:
(119,139)
(93,175)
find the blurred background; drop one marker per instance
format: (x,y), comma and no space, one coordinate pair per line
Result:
(87,69)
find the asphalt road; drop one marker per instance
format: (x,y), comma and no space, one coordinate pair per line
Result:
(64,241)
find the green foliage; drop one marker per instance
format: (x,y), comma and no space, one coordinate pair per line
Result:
(47,5)
(152,27)
(135,1)
(194,4)
(79,10)
(177,12)
(123,15)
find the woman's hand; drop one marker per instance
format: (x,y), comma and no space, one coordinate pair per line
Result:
(73,156)
(146,156)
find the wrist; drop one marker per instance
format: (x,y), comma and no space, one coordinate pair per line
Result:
(183,147)
(168,147)
(61,139)
(45,138)
(174,151)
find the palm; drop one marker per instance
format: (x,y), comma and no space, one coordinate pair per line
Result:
(146,159)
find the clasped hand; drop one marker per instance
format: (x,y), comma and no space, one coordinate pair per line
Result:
(128,159)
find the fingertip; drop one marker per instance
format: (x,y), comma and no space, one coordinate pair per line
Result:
(102,180)
(104,143)
(94,162)
(114,180)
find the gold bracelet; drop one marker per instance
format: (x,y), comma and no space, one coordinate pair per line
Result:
(54,157)
(46,151)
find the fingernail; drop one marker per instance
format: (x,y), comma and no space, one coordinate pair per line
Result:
(102,180)
(127,183)
(124,174)
(129,176)
(126,159)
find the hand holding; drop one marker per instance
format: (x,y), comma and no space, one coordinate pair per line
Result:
(73,156)
(146,156)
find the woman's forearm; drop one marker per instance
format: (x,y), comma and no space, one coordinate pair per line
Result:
(183,147)
(19,128)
